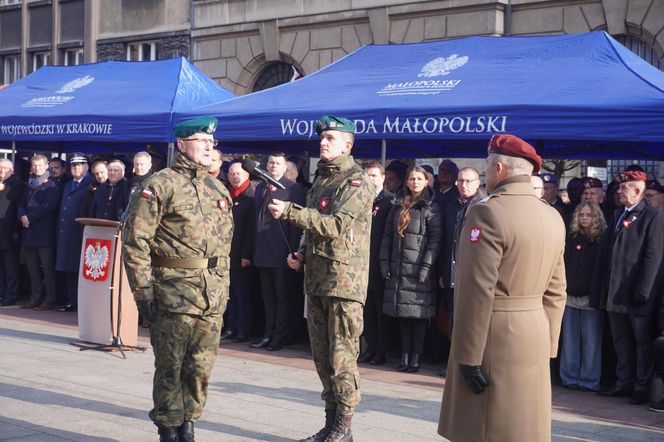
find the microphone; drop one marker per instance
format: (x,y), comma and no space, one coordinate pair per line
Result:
(253,168)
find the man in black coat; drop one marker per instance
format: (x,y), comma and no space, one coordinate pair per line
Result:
(445,188)
(237,319)
(272,241)
(70,233)
(37,213)
(375,323)
(111,199)
(11,192)
(634,247)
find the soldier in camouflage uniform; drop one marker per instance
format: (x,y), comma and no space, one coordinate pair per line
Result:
(335,250)
(176,251)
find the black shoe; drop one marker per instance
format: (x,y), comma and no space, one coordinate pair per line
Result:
(168,434)
(67,308)
(261,344)
(379,359)
(240,337)
(657,406)
(615,391)
(186,431)
(443,371)
(413,364)
(227,334)
(639,398)
(6,302)
(275,346)
(404,362)
(365,357)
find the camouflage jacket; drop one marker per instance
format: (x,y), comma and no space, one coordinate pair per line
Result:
(181,212)
(337,225)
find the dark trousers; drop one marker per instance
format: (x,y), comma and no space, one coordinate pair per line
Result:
(658,354)
(9,273)
(274,288)
(238,311)
(632,339)
(41,265)
(71,278)
(375,323)
(412,332)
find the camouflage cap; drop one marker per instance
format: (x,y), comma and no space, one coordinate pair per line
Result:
(330,122)
(187,128)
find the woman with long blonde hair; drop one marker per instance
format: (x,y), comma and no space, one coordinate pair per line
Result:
(411,242)
(581,355)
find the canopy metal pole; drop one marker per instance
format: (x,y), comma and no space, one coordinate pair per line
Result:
(383,151)
(14,153)
(171,153)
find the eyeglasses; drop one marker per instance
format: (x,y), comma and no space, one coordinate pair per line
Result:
(203,140)
(466,181)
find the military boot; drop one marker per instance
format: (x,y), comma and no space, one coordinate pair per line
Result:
(186,431)
(323,432)
(341,431)
(168,434)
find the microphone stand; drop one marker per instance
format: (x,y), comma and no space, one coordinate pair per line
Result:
(281,226)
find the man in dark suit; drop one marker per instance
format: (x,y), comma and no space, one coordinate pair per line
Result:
(70,233)
(11,192)
(375,323)
(272,241)
(37,213)
(111,199)
(634,246)
(237,319)
(445,189)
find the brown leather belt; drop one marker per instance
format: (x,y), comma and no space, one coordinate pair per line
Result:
(185,263)
(517,303)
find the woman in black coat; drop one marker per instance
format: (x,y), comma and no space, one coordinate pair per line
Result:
(581,354)
(410,246)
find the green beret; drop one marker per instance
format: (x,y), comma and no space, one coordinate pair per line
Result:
(330,122)
(187,128)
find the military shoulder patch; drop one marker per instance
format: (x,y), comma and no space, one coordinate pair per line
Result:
(356,183)
(475,233)
(146,193)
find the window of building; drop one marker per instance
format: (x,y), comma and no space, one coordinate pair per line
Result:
(275,74)
(11,68)
(617,166)
(9,2)
(142,51)
(73,57)
(40,59)
(640,48)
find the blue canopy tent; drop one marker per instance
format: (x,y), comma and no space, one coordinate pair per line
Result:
(103,106)
(572,96)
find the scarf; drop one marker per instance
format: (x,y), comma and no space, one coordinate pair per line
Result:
(36,181)
(237,191)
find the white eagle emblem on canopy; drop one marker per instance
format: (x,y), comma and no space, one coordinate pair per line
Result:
(442,66)
(75,84)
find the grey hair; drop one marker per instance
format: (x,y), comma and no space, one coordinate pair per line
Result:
(514,165)
(8,162)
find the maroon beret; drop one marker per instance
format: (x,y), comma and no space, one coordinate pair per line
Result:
(514,146)
(632,175)
(656,186)
(591,183)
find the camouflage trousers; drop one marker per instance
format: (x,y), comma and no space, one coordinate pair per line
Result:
(185,348)
(335,326)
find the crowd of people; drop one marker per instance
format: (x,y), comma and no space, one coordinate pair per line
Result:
(613,257)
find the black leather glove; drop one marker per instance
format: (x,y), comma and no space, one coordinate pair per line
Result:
(147,309)
(473,377)
(639,299)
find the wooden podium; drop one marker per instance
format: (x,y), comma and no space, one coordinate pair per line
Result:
(106,307)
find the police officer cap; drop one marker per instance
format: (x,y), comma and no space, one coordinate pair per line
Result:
(330,122)
(549,178)
(656,186)
(77,158)
(632,175)
(591,183)
(187,128)
(514,146)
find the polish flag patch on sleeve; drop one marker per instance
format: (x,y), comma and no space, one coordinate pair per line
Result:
(475,233)
(146,193)
(356,183)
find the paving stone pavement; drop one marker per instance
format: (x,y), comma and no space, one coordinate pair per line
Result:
(51,391)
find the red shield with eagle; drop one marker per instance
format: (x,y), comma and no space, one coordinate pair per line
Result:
(96,256)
